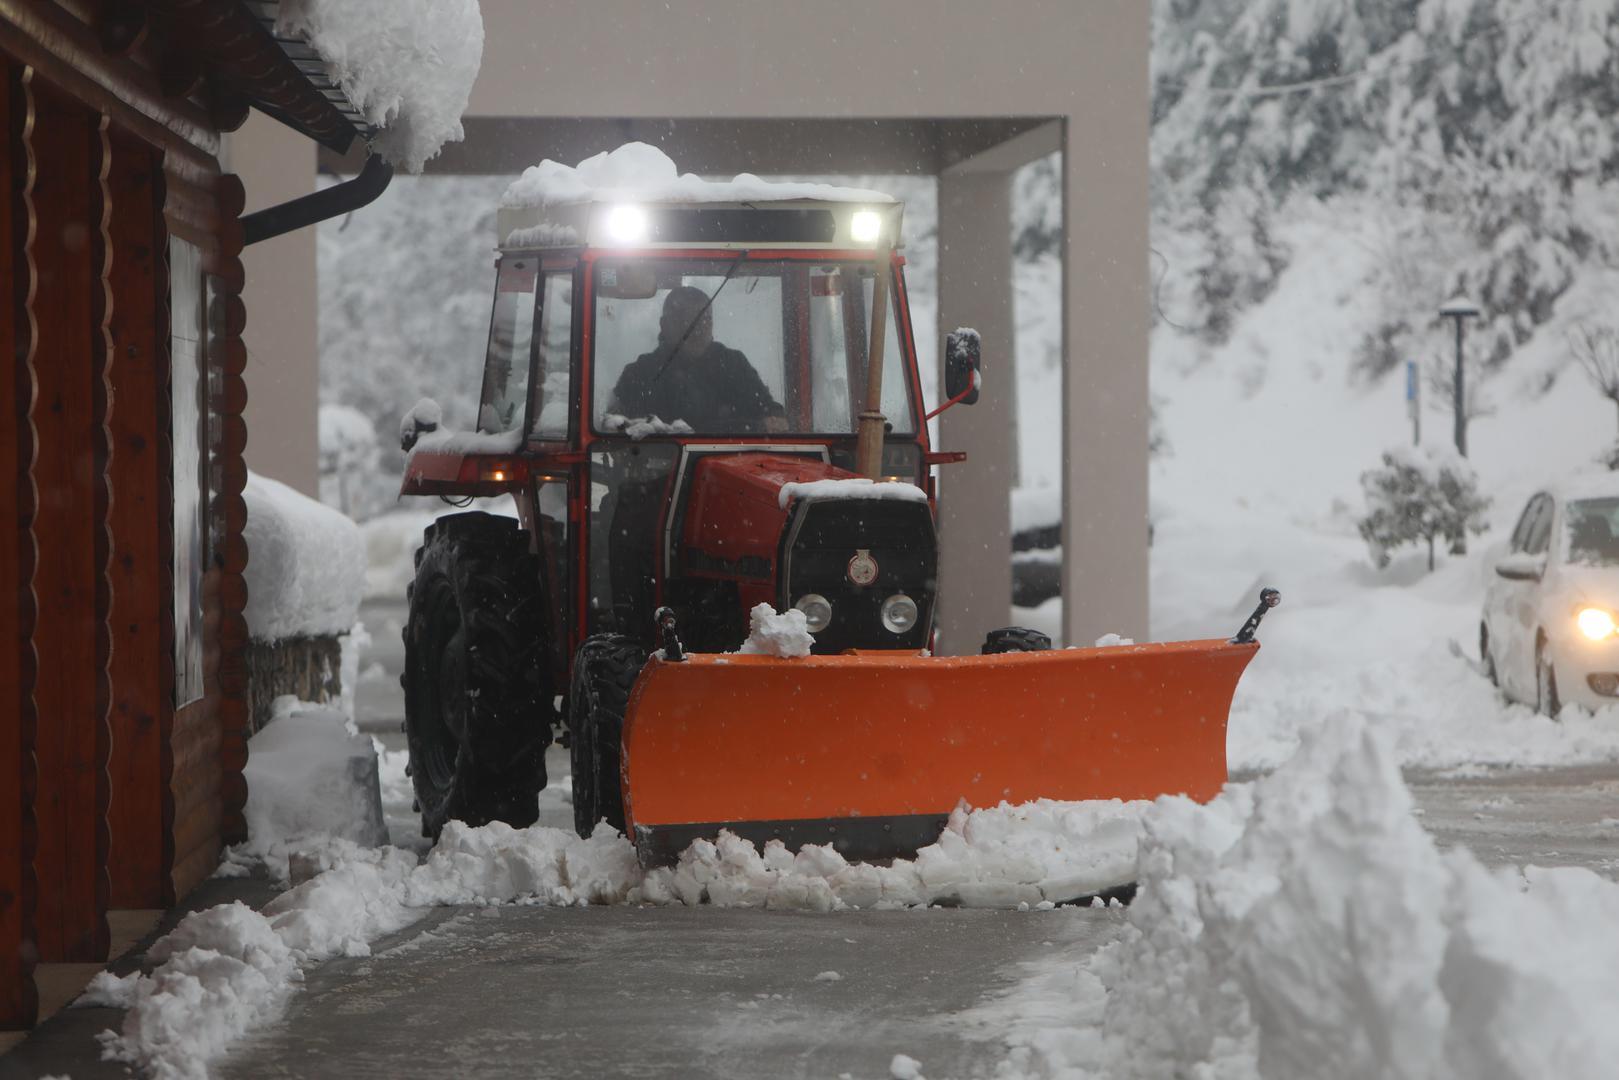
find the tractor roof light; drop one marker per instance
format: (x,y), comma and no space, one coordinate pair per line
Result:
(627,224)
(865,226)
(1595,623)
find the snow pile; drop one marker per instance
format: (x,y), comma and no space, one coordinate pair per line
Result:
(227,970)
(903,1067)
(1307,926)
(221,972)
(642,426)
(772,634)
(853,487)
(1037,853)
(306,564)
(638,172)
(309,780)
(407,65)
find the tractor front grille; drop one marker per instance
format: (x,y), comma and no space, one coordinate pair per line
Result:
(822,537)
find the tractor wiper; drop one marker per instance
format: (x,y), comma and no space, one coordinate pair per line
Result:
(724,281)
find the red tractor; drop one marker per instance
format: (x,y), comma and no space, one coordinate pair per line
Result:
(701,407)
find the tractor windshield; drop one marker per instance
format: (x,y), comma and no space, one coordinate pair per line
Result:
(738,346)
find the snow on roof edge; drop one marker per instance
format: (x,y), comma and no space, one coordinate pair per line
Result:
(407,65)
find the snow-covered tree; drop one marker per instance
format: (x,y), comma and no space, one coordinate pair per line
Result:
(1420,495)
(1480,124)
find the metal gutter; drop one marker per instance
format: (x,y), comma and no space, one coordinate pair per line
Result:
(307,210)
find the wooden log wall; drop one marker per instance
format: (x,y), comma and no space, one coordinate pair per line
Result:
(140,574)
(18,1001)
(65,255)
(110,795)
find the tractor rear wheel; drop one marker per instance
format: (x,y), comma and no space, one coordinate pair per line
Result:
(1015,639)
(604,670)
(477,696)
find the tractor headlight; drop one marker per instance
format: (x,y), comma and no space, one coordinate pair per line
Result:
(1594,623)
(817,611)
(899,613)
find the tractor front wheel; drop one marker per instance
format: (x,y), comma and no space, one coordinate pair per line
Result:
(604,670)
(477,697)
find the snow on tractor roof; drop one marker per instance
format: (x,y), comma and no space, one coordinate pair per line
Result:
(639,173)
(634,196)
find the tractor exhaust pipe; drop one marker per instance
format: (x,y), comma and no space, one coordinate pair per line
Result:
(868,448)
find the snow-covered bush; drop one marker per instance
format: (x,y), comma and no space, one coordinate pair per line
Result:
(1420,495)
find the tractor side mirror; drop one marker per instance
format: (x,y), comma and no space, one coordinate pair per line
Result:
(424,418)
(963,367)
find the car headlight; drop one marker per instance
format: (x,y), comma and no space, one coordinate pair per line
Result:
(899,613)
(1594,623)
(817,611)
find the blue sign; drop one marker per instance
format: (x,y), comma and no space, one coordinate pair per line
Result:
(1410,380)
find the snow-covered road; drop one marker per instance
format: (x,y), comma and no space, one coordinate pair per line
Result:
(634,992)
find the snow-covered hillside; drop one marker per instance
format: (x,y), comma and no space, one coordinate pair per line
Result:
(1271,432)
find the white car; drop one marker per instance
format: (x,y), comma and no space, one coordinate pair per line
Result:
(1548,635)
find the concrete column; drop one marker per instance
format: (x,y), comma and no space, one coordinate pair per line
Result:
(975,289)
(1105,277)
(283,307)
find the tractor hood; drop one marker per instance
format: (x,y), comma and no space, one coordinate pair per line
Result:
(734,516)
(785,527)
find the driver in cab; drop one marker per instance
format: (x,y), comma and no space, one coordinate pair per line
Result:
(692,377)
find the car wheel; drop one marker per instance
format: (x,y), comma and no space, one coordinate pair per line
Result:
(1546,700)
(1486,656)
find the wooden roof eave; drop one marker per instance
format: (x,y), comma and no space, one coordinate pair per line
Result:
(235,42)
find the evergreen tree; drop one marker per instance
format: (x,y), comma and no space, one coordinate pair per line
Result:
(1419,495)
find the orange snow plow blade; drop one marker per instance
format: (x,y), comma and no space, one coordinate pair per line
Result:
(871,751)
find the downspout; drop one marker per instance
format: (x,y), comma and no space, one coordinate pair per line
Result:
(318,206)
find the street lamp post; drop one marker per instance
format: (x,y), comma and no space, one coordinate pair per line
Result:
(1460,309)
